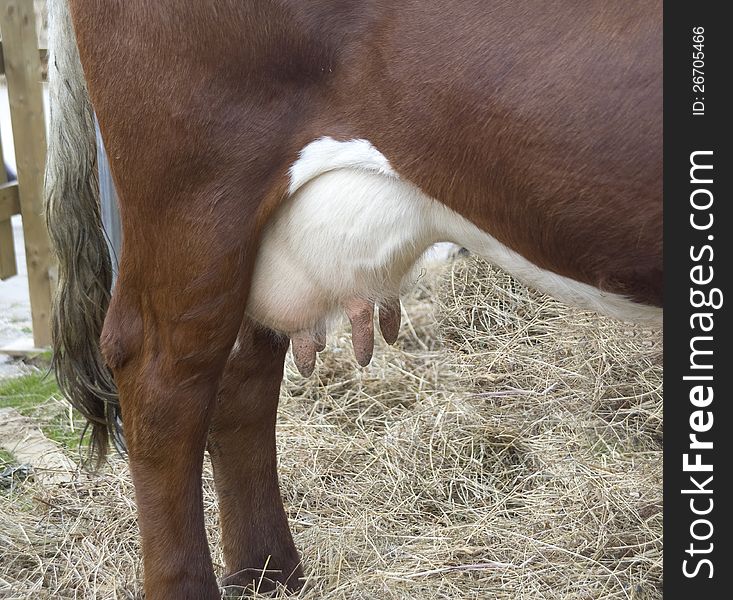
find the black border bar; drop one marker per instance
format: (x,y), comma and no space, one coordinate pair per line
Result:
(696,509)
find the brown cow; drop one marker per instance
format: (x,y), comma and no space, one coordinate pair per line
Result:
(339,138)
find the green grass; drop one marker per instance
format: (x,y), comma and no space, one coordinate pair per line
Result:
(24,393)
(37,396)
(5,458)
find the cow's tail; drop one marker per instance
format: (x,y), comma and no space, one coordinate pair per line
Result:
(78,240)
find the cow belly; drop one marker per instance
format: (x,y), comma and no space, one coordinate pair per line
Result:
(353,229)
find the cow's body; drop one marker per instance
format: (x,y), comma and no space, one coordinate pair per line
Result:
(353,228)
(346,137)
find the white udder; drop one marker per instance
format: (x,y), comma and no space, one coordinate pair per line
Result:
(352,228)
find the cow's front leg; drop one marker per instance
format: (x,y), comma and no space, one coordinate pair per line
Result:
(258,546)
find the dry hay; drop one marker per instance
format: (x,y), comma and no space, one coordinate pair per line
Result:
(519,457)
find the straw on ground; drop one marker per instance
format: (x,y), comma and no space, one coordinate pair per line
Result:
(508,447)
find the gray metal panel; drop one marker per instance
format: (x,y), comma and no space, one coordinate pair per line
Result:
(109,210)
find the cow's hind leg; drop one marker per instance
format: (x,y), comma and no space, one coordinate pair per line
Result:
(258,546)
(168,332)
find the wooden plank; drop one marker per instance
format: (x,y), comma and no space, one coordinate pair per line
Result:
(23,348)
(8,264)
(21,436)
(9,206)
(42,54)
(9,200)
(25,95)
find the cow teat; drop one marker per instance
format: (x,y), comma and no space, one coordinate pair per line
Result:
(306,344)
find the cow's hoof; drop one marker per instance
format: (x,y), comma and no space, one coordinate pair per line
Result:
(248,582)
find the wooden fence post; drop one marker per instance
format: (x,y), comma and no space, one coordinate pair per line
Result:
(25,94)
(8,265)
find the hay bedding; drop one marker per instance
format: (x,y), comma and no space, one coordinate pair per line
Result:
(508,447)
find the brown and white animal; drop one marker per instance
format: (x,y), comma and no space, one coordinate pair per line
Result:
(278,162)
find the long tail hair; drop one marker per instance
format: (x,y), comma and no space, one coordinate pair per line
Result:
(78,240)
